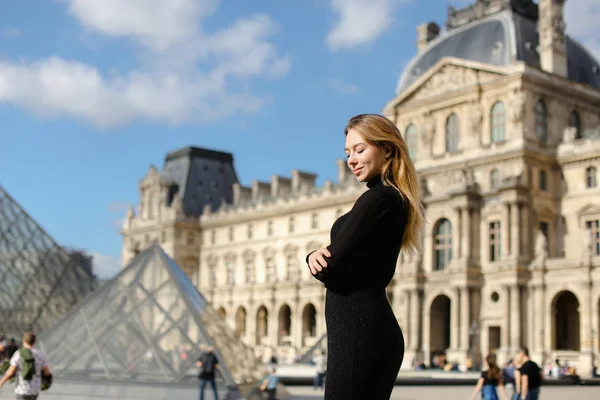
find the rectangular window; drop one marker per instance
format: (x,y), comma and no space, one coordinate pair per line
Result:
(542,183)
(495,241)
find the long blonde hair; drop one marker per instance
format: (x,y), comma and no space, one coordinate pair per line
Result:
(398,171)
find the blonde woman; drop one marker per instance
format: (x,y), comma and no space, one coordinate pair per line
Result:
(365,342)
(490,381)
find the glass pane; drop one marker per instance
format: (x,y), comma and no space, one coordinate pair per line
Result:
(148,324)
(40,280)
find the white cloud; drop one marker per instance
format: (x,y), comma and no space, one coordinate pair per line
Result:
(158,24)
(581,19)
(360,22)
(343,87)
(184,75)
(105,267)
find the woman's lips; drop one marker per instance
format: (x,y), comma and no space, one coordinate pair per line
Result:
(357,171)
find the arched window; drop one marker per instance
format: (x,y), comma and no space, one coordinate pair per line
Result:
(494,179)
(590,177)
(541,122)
(575,122)
(497,122)
(411,140)
(452,133)
(442,245)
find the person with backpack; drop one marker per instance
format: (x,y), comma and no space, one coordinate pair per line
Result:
(208,364)
(30,367)
(490,381)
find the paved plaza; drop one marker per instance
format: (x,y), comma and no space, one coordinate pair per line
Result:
(457,393)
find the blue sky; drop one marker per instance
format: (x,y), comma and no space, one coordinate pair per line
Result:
(94,92)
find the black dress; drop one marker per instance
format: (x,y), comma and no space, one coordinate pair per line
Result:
(365,343)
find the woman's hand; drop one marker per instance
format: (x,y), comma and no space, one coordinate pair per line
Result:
(316,261)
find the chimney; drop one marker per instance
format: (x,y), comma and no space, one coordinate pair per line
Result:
(426,33)
(280,186)
(551,29)
(302,182)
(343,170)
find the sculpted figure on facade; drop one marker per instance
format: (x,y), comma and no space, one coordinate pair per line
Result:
(541,246)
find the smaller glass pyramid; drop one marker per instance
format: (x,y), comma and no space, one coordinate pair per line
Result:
(39,280)
(148,324)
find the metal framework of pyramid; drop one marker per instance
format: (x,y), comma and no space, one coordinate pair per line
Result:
(39,280)
(149,324)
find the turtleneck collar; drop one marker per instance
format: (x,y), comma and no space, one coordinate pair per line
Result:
(376,180)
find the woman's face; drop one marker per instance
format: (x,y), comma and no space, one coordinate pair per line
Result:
(364,159)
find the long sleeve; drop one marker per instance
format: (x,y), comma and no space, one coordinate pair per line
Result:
(369,216)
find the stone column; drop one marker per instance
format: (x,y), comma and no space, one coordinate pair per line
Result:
(297,322)
(526,231)
(585,319)
(414,315)
(251,327)
(273,327)
(515,230)
(531,326)
(456,234)
(476,235)
(427,336)
(467,234)
(505,227)
(539,321)
(504,334)
(454,319)
(515,317)
(465,318)
(548,316)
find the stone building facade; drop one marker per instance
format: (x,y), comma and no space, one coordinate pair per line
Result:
(503,125)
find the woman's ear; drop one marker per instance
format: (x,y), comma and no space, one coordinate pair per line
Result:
(387,150)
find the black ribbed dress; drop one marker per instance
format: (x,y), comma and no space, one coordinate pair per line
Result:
(365,343)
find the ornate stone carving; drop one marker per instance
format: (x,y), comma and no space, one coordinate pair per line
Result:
(445,80)
(517,107)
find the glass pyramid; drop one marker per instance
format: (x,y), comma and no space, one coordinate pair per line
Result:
(147,324)
(39,280)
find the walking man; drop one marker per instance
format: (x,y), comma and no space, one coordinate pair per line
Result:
(530,374)
(208,364)
(28,365)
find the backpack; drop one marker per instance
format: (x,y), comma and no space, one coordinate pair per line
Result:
(28,370)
